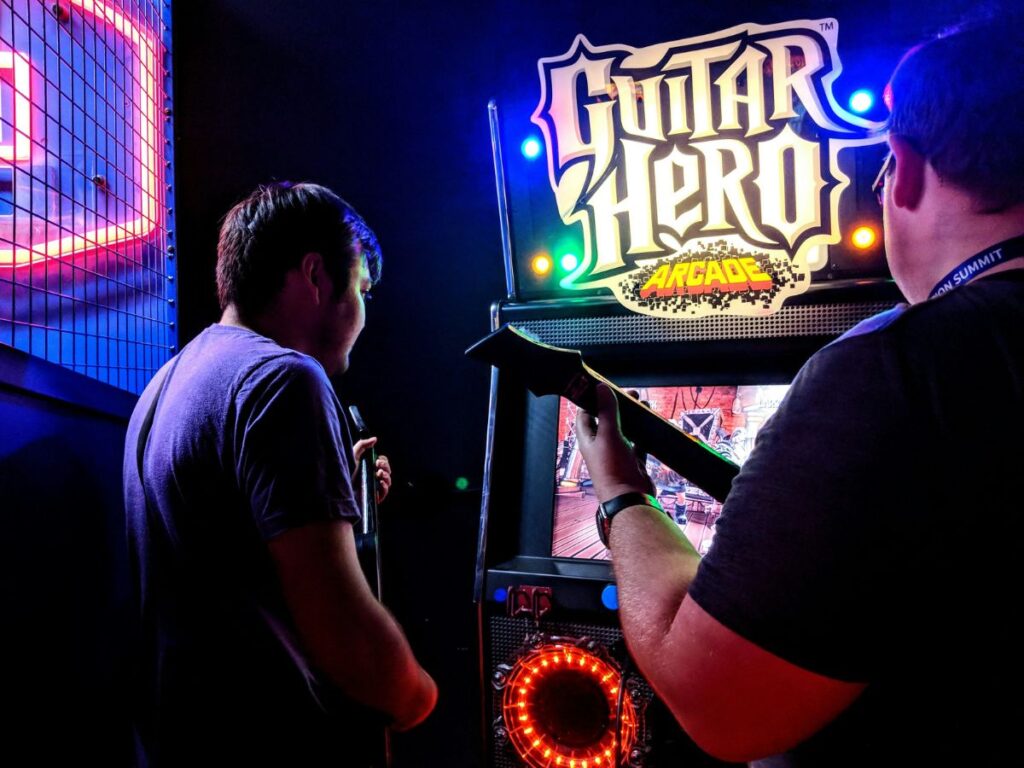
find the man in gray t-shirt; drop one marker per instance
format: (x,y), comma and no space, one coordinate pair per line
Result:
(259,639)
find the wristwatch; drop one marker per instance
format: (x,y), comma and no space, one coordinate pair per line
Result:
(612,507)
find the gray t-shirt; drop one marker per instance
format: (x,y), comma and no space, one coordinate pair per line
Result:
(873,535)
(248,441)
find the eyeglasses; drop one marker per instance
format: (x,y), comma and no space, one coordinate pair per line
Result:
(878,186)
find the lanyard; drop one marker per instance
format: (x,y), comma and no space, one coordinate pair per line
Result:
(979,264)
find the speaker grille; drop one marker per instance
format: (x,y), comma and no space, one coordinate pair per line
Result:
(507,638)
(804,320)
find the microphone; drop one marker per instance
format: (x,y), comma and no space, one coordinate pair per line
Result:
(367,473)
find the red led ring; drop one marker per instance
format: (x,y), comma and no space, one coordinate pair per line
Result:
(529,690)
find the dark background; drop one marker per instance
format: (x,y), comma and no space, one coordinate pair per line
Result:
(385,102)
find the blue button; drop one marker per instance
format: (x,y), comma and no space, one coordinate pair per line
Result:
(610,597)
(500,595)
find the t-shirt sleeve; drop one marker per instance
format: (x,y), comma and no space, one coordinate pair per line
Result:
(798,565)
(292,449)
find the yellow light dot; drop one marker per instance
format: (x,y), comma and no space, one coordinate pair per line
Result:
(547,753)
(608,753)
(541,264)
(606,678)
(527,680)
(522,704)
(863,237)
(536,743)
(529,730)
(522,718)
(583,662)
(615,689)
(522,690)
(572,764)
(558,659)
(534,670)
(558,760)
(544,663)
(594,668)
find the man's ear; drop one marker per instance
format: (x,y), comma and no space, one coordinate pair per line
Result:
(908,176)
(312,270)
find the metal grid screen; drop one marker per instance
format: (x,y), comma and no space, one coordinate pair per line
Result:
(86,256)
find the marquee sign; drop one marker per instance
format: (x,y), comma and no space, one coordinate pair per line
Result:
(703,172)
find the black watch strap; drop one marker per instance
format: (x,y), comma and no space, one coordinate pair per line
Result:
(612,507)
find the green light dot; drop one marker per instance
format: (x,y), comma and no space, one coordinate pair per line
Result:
(462,483)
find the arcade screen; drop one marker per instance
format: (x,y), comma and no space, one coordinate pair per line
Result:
(725,417)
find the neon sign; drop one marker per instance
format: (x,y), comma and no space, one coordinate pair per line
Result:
(34,241)
(704,173)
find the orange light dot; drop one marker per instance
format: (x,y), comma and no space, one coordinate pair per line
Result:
(541,264)
(544,663)
(863,237)
(536,742)
(529,730)
(522,690)
(523,717)
(547,753)
(527,680)
(583,662)
(615,689)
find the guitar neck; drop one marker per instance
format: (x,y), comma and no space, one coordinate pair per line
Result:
(547,370)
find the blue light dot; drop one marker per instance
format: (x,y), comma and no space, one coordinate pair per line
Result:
(500,595)
(570,262)
(530,148)
(861,101)
(610,597)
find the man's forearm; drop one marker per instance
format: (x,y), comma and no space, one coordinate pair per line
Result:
(654,565)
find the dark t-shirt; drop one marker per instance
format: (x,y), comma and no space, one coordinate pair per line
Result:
(248,441)
(872,535)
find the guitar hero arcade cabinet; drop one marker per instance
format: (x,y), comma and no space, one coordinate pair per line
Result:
(696,218)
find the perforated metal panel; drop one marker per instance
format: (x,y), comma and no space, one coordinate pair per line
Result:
(806,320)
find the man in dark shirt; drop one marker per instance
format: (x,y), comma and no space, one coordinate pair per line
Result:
(860,604)
(260,641)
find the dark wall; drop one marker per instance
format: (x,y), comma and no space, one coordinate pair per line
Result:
(385,102)
(63,565)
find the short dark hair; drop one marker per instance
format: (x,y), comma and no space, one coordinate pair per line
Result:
(959,101)
(268,233)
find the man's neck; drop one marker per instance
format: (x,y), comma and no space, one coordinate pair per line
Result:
(284,334)
(956,235)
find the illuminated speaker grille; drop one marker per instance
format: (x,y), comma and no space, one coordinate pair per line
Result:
(506,646)
(805,320)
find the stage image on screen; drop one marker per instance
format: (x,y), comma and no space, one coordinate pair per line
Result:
(725,417)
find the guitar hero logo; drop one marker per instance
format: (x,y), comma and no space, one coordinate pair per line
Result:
(703,172)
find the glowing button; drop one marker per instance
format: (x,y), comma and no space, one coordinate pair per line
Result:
(570,262)
(541,264)
(530,148)
(861,101)
(863,237)
(610,597)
